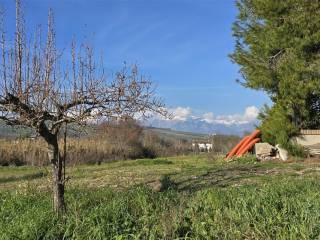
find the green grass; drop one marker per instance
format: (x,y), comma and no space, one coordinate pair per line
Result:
(199,198)
(148,162)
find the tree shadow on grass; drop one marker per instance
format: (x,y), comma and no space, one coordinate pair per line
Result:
(221,178)
(23,177)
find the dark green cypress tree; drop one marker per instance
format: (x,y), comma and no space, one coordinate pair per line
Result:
(278,50)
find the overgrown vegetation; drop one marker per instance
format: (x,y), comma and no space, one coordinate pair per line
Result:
(107,142)
(278,129)
(91,150)
(199,198)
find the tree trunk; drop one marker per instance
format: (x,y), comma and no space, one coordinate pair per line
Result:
(57,176)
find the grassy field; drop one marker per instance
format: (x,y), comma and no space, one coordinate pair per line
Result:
(188,197)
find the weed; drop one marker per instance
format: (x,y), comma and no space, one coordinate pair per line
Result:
(286,210)
(198,199)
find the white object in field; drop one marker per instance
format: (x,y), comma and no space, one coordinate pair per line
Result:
(209,146)
(282,153)
(203,146)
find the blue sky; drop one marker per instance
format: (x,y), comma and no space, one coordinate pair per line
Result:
(182,44)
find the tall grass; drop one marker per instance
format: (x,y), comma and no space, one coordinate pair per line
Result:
(84,151)
(289,209)
(109,141)
(22,152)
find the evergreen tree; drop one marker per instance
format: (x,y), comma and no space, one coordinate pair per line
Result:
(278,50)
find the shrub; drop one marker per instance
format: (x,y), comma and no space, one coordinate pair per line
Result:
(277,128)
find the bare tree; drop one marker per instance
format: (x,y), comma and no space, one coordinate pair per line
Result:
(41,90)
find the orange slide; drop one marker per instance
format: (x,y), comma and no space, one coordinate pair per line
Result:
(236,148)
(244,145)
(252,136)
(247,147)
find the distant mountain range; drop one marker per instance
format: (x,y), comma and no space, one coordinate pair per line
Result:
(187,120)
(187,127)
(199,125)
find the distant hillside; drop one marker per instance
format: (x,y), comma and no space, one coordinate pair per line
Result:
(167,133)
(12,132)
(163,133)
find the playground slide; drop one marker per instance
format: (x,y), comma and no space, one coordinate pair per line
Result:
(236,148)
(252,136)
(248,147)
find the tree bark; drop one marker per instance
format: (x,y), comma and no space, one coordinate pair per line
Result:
(57,176)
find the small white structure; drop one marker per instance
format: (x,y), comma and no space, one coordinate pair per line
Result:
(209,146)
(203,147)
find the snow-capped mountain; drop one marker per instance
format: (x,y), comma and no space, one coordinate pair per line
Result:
(183,119)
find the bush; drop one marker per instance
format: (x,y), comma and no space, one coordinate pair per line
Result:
(277,128)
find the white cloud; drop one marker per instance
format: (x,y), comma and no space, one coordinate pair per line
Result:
(181,113)
(250,115)
(208,117)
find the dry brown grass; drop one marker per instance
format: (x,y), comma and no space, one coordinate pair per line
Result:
(33,152)
(107,142)
(93,150)
(21,152)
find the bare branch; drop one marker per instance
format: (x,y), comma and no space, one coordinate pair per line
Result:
(40,93)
